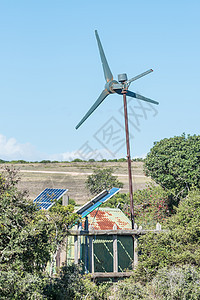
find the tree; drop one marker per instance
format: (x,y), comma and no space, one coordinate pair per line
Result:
(28,238)
(174,163)
(102,179)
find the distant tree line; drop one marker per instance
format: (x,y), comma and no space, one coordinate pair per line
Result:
(21,161)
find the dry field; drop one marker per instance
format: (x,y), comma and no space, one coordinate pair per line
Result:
(35,177)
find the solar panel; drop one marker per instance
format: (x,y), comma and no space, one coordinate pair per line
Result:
(96,201)
(48,197)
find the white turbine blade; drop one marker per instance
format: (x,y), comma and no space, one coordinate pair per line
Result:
(139,76)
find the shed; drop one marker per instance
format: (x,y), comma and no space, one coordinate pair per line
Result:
(96,252)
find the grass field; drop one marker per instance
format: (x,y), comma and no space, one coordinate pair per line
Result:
(35,177)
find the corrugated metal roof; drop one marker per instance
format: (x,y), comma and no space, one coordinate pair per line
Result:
(104,218)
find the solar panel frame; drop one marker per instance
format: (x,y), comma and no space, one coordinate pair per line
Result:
(93,204)
(47,198)
(93,201)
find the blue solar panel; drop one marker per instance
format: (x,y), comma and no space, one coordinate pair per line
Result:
(48,197)
(97,201)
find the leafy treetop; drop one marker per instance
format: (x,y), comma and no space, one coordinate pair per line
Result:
(102,179)
(174,163)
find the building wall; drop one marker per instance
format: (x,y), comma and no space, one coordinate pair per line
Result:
(103,253)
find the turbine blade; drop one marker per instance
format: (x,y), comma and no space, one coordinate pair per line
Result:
(139,76)
(118,91)
(107,72)
(137,96)
(103,95)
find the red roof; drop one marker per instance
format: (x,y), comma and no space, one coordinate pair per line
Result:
(105,218)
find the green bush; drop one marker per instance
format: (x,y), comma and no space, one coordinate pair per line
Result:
(95,291)
(179,245)
(71,285)
(151,205)
(128,289)
(177,283)
(174,283)
(16,285)
(67,286)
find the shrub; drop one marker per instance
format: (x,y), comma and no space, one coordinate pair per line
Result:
(71,285)
(67,286)
(151,206)
(128,289)
(175,283)
(179,245)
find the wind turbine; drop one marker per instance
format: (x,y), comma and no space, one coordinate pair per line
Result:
(120,87)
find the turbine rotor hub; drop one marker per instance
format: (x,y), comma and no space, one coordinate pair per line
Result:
(109,86)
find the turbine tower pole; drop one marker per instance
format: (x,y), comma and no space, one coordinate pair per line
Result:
(122,78)
(128,158)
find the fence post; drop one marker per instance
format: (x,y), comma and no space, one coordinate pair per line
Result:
(91,251)
(158,226)
(86,246)
(135,250)
(65,200)
(115,253)
(76,250)
(135,262)
(77,242)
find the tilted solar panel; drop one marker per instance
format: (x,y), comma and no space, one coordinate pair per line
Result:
(48,197)
(96,201)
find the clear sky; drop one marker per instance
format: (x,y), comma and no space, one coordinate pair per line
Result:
(50,75)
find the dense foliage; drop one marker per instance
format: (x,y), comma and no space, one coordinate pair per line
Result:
(174,163)
(29,239)
(102,179)
(151,206)
(178,245)
(177,283)
(70,284)
(182,282)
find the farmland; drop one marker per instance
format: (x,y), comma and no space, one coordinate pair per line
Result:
(37,176)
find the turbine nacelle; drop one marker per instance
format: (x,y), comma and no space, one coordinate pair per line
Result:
(122,77)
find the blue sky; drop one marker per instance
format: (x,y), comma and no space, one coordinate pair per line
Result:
(50,75)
